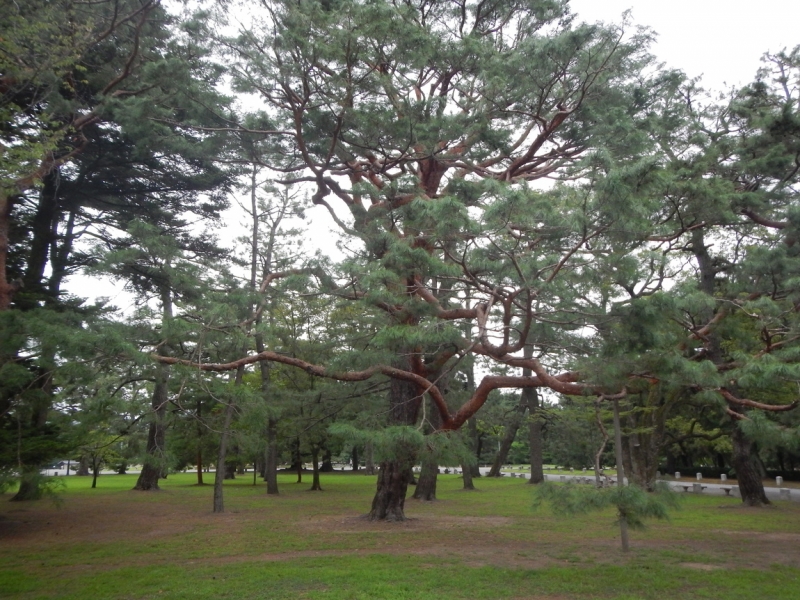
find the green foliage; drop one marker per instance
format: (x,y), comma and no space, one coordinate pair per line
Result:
(632,503)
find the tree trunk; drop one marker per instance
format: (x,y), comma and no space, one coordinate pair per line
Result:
(315,486)
(623,520)
(751,487)
(272,456)
(28,485)
(298,461)
(154,461)
(512,426)
(390,495)
(472,423)
(219,475)
(389,501)
(355,459)
(327,461)
(83,466)
(535,426)
(95,472)
(426,482)
(644,446)
(467,477)
(199,466)
(230,470)
(369,467)
(626,453)
(599,454)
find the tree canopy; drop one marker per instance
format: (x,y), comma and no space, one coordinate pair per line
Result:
(528,201)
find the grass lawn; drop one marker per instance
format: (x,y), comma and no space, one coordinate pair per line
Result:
(112,542)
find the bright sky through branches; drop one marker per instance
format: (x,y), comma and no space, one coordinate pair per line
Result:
(720,40)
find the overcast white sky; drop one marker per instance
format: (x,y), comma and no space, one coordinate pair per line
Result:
(722,40)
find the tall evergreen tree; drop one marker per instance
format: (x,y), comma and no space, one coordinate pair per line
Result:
(426,124)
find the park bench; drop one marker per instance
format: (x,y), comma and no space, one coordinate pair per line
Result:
(727,489)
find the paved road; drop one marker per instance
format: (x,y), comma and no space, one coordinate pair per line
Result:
(716,489)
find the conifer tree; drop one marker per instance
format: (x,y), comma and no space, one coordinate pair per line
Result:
(420,130)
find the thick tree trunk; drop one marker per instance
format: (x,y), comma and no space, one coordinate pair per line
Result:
(83,466)
(230,470)
(28,485)
(389,501)
(644,447)
(426,482)
(390,496)
(355,458)
(200,466)
(535,426)
(751,487)
(467,477)
(327,461)
(315,486)
(154,461)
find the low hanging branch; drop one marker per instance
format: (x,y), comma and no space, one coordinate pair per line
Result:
(316,370)
(450,422)
(731,399)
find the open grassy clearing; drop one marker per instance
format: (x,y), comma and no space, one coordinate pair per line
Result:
(116,543)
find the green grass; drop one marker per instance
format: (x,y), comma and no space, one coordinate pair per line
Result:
(112,542)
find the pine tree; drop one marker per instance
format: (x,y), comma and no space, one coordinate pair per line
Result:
(426,124)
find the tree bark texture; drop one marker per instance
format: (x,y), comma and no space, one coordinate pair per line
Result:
(751,487)
(644,447)
(389,501)
(467,477)
(154,462)
(355,458)
(535,426)
(426,482)
(315,486)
